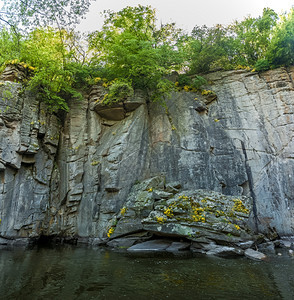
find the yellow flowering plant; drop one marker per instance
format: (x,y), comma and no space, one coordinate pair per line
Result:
(110,231)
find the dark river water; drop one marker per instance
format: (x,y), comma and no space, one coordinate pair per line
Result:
(89,273)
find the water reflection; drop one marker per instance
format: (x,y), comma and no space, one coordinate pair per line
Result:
(83,273)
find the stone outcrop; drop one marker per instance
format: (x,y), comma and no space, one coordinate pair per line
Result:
(255,255)
(197,215)
(72,177)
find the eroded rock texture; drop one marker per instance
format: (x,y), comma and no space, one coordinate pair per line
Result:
(72,177)
(28,141)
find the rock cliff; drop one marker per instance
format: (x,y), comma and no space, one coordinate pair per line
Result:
(74,176)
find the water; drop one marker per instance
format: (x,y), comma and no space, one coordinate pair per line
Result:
(89,273)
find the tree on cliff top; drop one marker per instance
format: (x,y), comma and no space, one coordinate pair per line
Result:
(26,38)
(35,13)
(281,49)
(253,37)
(131,48)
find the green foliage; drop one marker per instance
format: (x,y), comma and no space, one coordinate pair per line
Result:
(46,52)
(184,79)
(198,82)
(262,65)
(138,21)
(205,47)
(130,47)
(35,13)
(81,75)
(119,90)
(10,46)
(240,44)
(163,89)
(253,37)
(53,54)
(281,49)
(131,51)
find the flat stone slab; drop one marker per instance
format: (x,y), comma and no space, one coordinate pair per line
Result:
(158,195)
(4,241)
(246,245)
(224,251)
(151,246)
(122,242)
(255,255)
(286,243)
(15,242)
(117,111)
(178,246)
(110,113)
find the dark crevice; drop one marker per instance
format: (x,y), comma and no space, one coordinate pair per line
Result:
(51,240)
(223,185)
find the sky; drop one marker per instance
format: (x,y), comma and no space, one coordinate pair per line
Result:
(188,13)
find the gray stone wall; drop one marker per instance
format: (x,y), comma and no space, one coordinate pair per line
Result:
(71,178)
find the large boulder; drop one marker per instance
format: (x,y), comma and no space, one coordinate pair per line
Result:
(199,215)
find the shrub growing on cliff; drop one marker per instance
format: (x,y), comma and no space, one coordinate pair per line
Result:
(50,51)
(253,37)
(10,46)
(240,44)
(281,48)
(132,48)
(46,52)
(198,82)
(262,65)
(118,91)
(205,47)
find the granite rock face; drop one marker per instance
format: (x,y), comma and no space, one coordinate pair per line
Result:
(29,139)
(72,177)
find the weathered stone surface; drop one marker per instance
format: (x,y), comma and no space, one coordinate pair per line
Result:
(255,255)
(25,168)
(286,243)
(178,246)
(224,251)
(268,248)
(14,73)
(3,241)
(122,243)
(245,245)
(161,195)
(151,246)
(117,111)
(263,129)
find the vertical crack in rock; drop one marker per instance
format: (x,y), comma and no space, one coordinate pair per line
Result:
(251,186)
(290,74)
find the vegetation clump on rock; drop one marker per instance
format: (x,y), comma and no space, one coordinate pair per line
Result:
(131,52)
